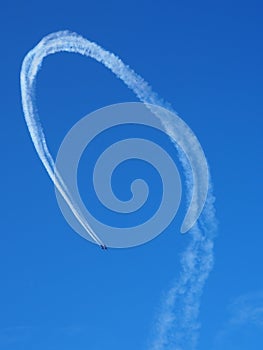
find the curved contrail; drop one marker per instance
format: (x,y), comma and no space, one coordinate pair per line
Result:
(197,260)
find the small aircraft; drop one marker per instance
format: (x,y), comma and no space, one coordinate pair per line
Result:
(103,247)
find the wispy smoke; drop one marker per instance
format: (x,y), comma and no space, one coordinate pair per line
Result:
(178,324)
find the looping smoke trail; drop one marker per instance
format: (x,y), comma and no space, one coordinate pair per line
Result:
(175,326)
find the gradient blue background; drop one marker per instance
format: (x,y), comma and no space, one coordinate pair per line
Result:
(59,291)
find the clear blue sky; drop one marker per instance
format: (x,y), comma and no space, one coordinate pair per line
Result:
(59,291)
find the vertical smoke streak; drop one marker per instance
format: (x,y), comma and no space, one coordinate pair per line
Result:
(177,324)
(198,257)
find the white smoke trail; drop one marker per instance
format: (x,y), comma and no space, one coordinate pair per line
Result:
(177,325)
(197,260)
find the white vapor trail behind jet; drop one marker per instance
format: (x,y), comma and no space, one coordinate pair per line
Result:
(178,322)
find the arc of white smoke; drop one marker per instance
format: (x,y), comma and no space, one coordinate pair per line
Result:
(70,42)
(194,272)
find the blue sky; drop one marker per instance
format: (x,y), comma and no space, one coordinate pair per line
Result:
(58,291)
